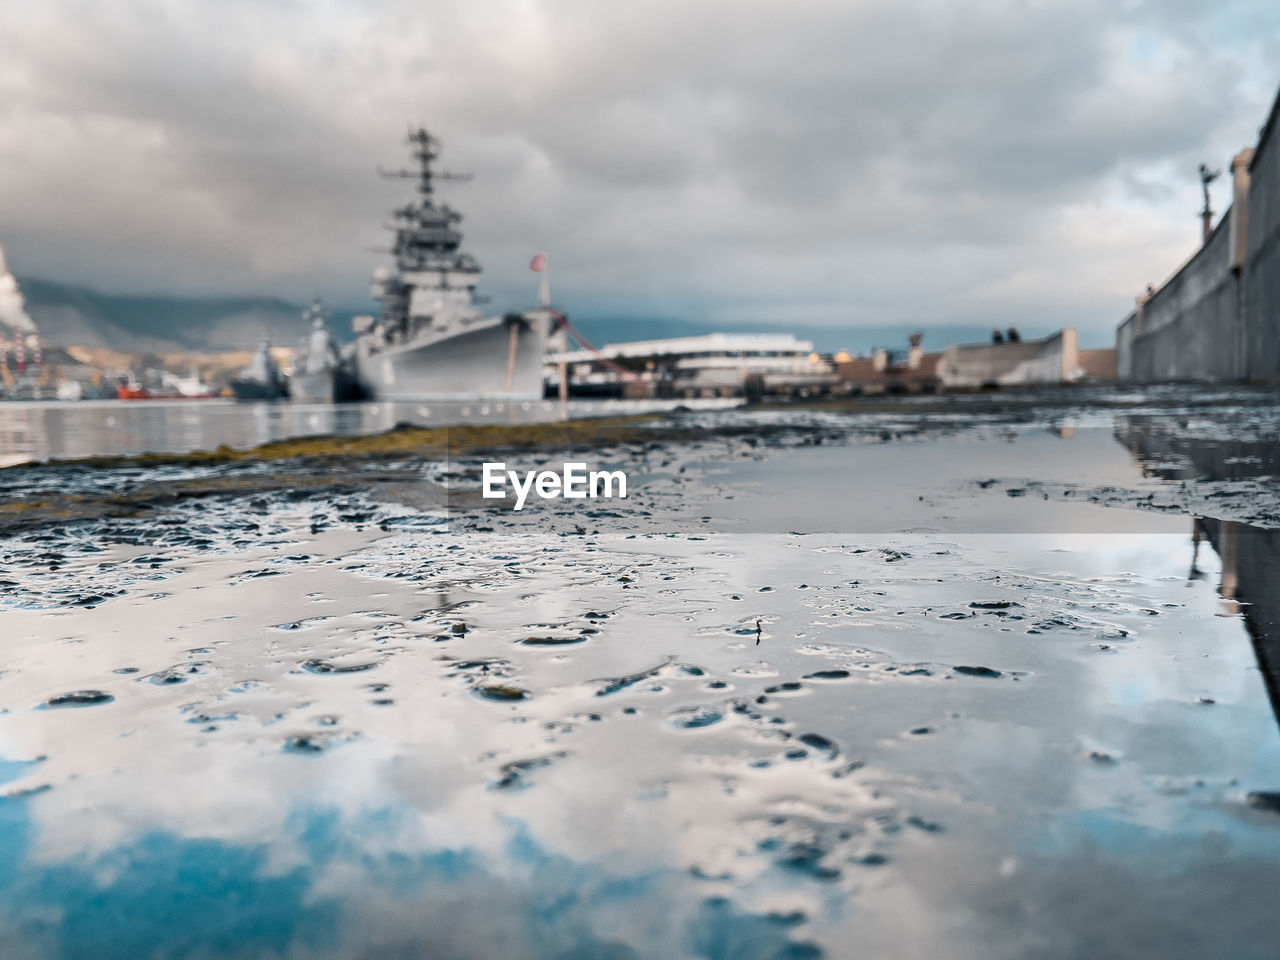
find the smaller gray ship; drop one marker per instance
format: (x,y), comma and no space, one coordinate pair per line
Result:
(322,371)
(261,379)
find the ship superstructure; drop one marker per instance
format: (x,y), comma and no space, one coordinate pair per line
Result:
(261,379)
(322,371)
(432,340)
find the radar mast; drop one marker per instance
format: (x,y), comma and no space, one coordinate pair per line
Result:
(425,149)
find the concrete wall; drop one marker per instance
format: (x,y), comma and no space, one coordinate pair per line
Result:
(1261,271)
(1188,329)
(1216,318)
(1124,347)
(1098,364)
(974,366)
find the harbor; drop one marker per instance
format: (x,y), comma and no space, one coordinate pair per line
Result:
(793,520)
(433,342)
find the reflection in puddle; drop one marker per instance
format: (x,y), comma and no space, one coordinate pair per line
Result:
(664,743)
(1215,456)
(344,787)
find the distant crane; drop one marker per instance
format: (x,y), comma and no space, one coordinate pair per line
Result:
(1207,177)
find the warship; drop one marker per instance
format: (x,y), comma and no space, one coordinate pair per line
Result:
(322,372)
(432,341)
(261,379)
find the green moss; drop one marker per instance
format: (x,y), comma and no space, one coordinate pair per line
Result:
(399,441)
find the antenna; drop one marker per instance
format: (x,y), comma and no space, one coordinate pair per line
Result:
(425,149)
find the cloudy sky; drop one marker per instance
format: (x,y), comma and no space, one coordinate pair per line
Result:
(832,162)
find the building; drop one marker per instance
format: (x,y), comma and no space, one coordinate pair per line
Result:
(710,365)
(1056,359)
(887,371)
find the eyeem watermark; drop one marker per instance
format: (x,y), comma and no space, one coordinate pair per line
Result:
(574,483)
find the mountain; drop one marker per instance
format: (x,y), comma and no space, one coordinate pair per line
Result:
(67,314)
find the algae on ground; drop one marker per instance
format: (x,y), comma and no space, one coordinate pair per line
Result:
(404,440)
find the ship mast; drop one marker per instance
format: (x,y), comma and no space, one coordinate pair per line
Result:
(425,149)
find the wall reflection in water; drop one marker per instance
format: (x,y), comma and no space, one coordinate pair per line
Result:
(1174,449)
(1250,564)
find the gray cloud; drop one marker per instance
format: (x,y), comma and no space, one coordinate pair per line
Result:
(823,162)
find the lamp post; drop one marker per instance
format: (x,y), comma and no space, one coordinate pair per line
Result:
(1207,177)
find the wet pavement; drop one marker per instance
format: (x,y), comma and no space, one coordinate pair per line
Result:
(957,680)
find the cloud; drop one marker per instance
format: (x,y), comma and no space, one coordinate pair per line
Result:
(830,162)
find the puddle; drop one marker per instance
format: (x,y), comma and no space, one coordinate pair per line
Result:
(656,738)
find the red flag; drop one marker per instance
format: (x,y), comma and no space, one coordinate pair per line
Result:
(538,263)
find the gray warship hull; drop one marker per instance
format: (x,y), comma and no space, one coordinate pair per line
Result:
(327,386)
(258,390)
(468,365)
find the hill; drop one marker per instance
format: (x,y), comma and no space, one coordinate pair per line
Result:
(67,314)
